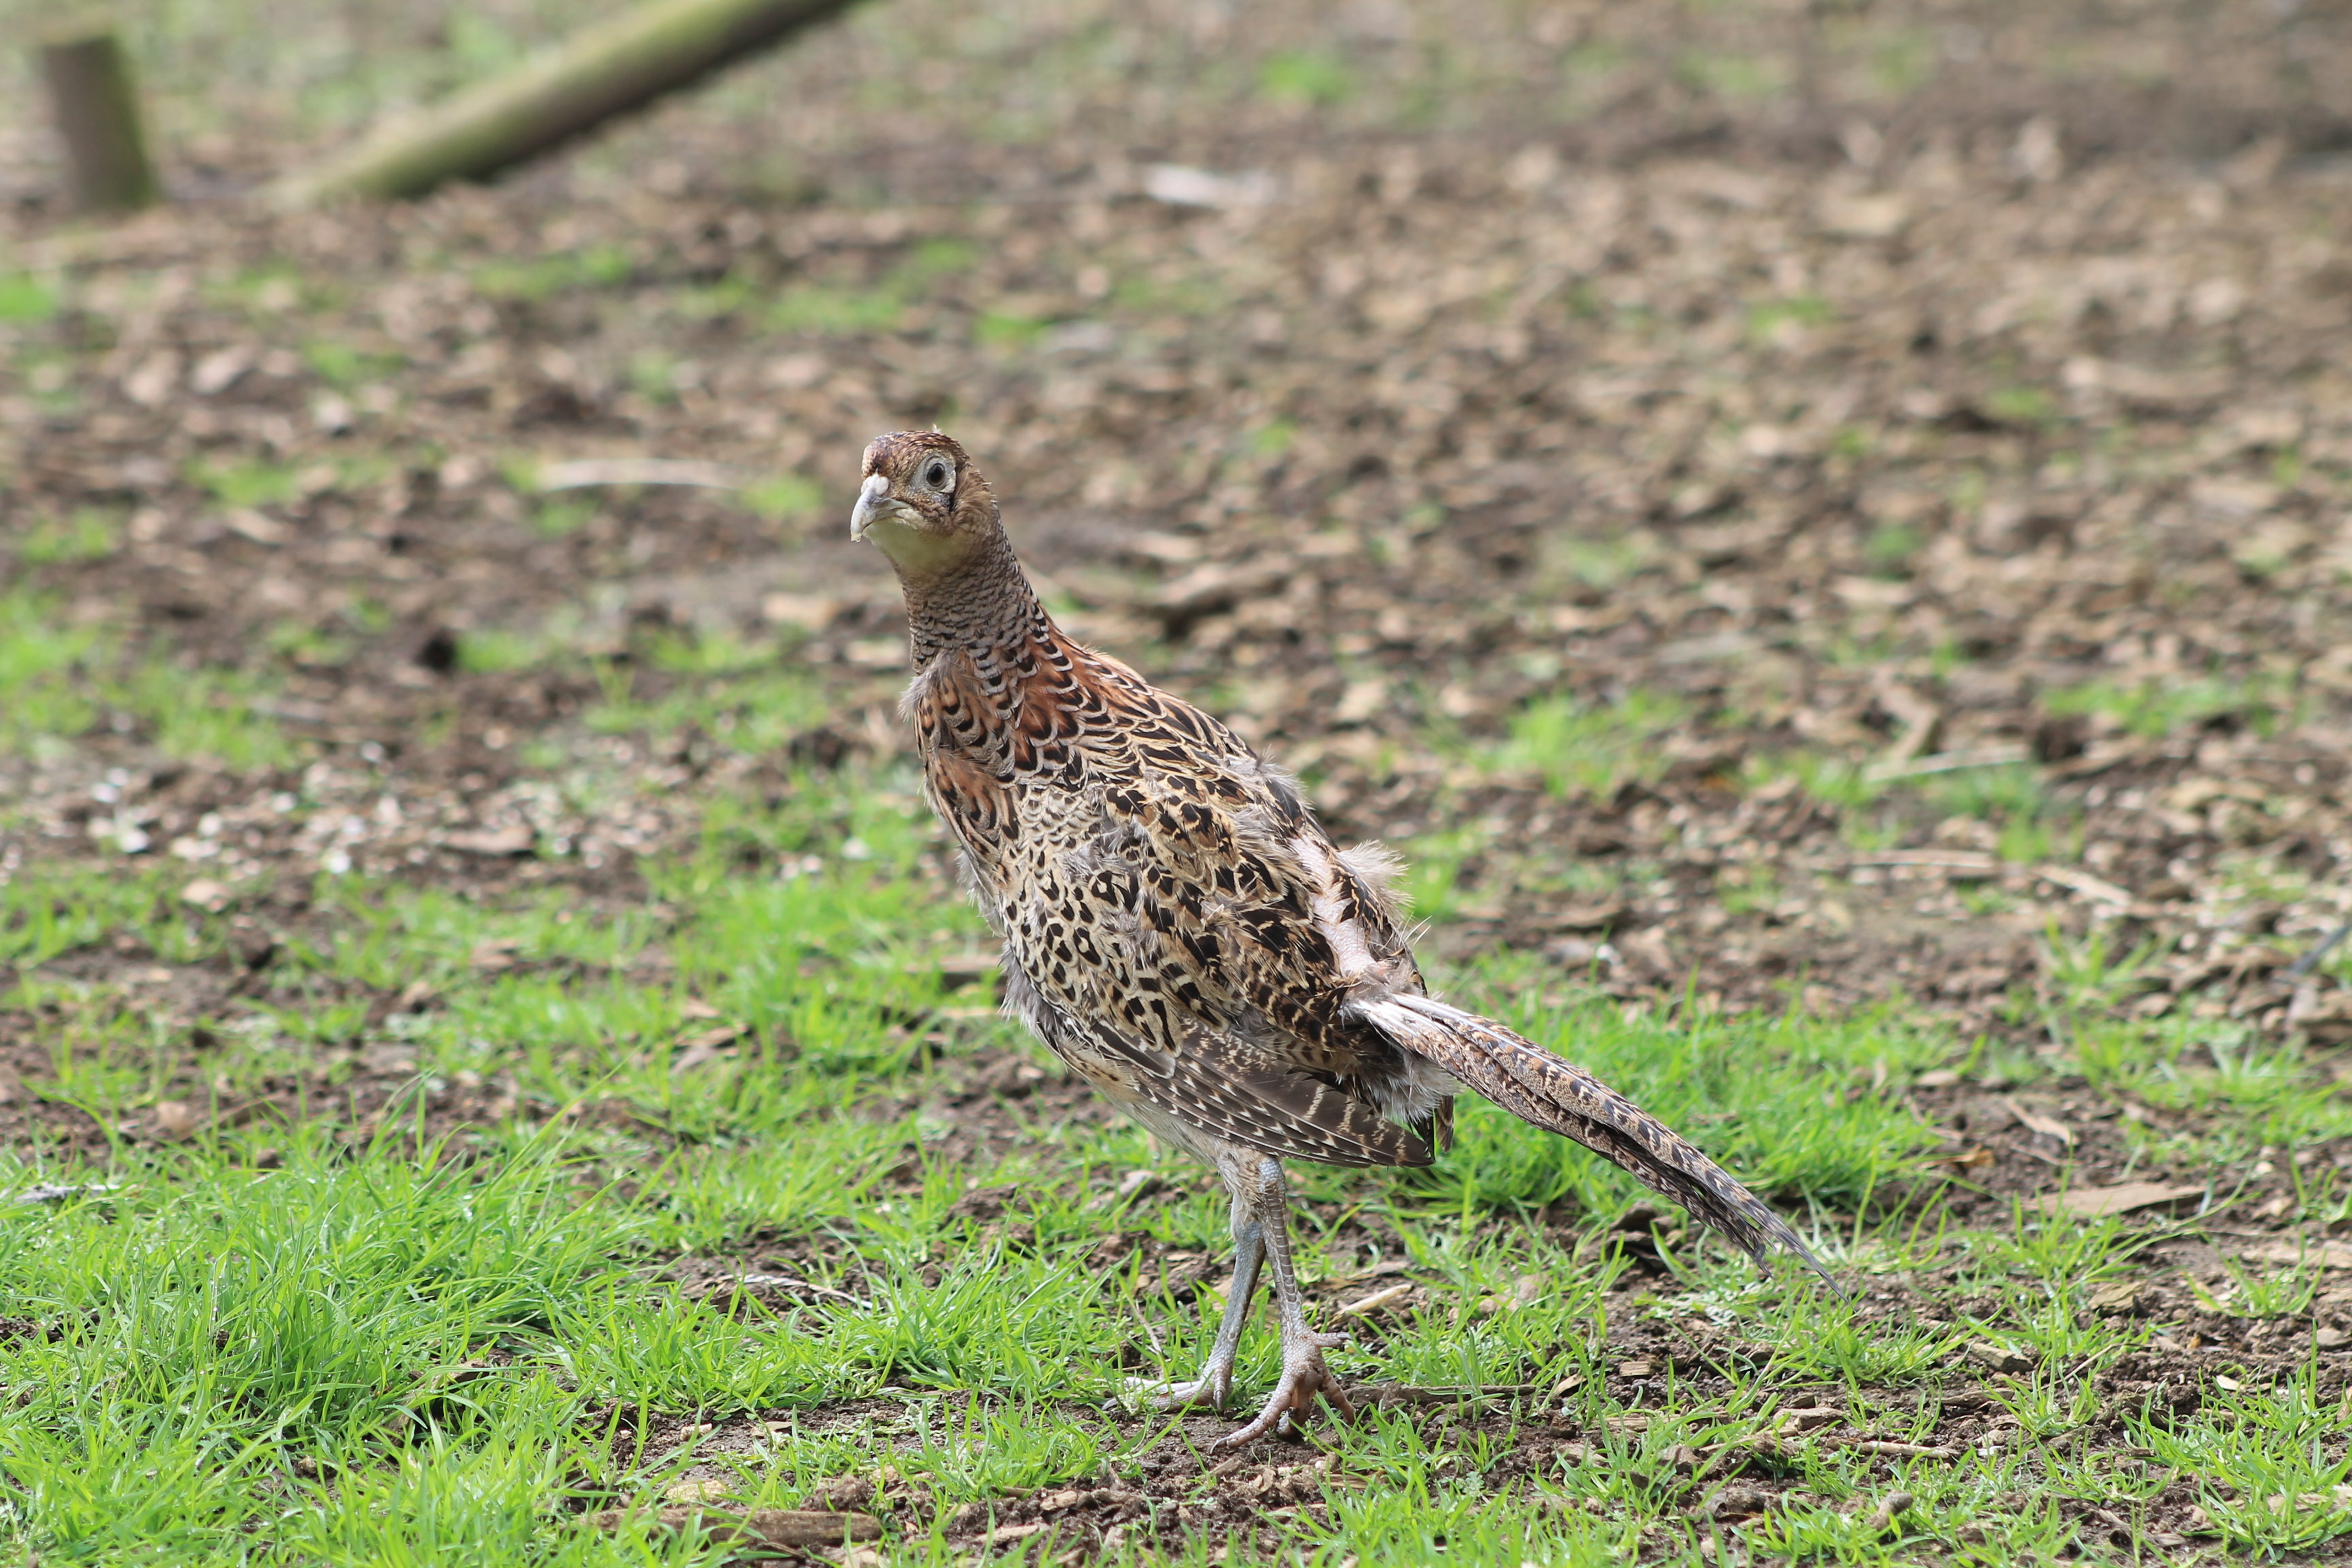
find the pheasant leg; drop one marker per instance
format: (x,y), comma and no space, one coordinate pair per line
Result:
(1266,1198)
(1215,1383)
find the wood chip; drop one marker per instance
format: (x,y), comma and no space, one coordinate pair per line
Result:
(1952,861)
(1376,1301)
(492,842)
(259,527)
(1586,916)
(2036,1122)
(1219,586)
(2124,1296)
(1996,1357)
(2125,1197)
(589,473)
(703,1047)
(2098,889)
(1883,1516)
(809,612)
(2302,1254)
(1891,769)
(764,1527)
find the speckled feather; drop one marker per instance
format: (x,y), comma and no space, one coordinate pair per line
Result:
(1177,927)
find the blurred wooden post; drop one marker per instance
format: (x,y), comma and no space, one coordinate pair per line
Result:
(605,70)
(97,114)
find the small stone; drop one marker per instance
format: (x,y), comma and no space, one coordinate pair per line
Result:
(1736,1502)
(1995,1357)
(2331,1339)
(841,1493)
(2120,1298)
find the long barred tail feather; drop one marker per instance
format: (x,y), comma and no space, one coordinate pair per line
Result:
(1536,1087)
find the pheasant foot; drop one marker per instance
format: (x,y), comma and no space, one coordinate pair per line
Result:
(1304,1376)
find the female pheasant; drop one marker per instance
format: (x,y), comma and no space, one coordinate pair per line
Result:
(1180,933)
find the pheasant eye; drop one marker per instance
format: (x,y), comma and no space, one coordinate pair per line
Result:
(936,476)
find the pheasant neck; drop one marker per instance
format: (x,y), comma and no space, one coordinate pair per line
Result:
(981,603)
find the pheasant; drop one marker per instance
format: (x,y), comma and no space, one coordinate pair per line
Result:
(1180,933)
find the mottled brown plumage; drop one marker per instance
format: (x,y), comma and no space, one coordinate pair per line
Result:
(1180,930)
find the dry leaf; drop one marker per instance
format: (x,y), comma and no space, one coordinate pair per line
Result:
(2125,1198)
(2302,1254)
(2036,1122)
(493,841)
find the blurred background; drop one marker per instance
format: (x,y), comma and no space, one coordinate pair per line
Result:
(1823,499)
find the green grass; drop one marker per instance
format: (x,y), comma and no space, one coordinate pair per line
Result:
(376,1352)
(786,496)
(311,1343)
(528,282)
(1306,77)
(60,676)
(365,1352)
(1767,320)
(346,365)
(752,695)
(88,534)
(245,481)
(24,299)
(829,307)
(1587,747)
(2156,709)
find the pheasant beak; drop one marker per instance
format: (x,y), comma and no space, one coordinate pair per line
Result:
(873,502)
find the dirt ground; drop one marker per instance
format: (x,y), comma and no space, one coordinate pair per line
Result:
(1987,428)
(1846,443)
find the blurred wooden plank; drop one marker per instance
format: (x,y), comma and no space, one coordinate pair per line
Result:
(606,70)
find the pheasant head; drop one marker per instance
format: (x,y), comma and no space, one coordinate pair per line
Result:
(923,504)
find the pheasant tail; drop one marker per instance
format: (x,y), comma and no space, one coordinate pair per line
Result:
(1536,1087)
